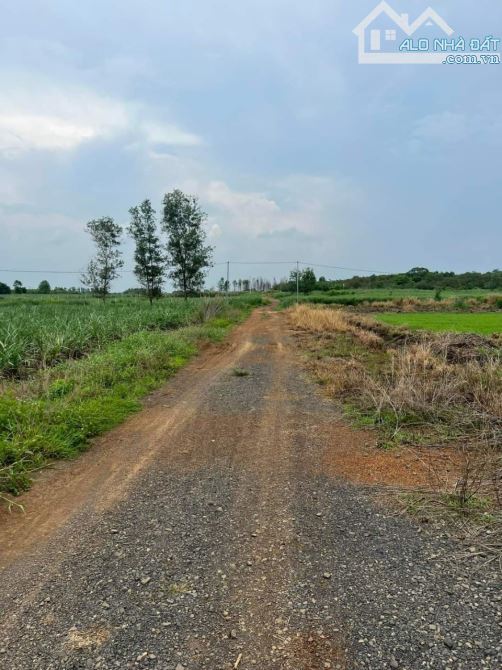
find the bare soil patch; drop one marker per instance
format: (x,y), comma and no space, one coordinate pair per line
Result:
(353,454)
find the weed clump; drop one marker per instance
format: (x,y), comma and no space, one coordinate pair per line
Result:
(240,372)
(427,389)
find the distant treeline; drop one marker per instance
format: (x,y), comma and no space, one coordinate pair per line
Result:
(416,278)
(43,288)
(422,278)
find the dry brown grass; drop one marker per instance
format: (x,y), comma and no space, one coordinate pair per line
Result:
(321,319)
(406,305)
(94,637)
(340,377)
(414,304)
(423,383)
(428,380)
(438,390)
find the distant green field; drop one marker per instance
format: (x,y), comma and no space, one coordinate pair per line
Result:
(73,368)
(386,293)
(356,297)
(41,331)
(484,323)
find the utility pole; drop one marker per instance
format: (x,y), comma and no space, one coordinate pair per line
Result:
(297,282)
(228,277)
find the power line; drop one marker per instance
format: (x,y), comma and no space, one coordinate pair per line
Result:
(51,272)
(64,272)
(291,263)
(341,267)
(260,263)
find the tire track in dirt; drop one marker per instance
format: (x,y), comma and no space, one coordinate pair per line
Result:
(268,542)
(206,532)
(100,476)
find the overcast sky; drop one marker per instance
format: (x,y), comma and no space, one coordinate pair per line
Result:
(260,108)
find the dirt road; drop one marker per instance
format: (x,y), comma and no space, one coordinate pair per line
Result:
(204,533)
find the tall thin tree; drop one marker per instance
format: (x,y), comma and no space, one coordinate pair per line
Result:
(187,252)
(105,266)
(149,260)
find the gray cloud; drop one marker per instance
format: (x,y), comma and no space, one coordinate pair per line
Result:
(260,108)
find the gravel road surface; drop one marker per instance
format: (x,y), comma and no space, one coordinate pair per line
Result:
(203,533)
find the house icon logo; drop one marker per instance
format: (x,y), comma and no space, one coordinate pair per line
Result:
(383,31)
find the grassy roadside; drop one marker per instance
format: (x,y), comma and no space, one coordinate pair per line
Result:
(425,387)
(425,391)
(40,331)
(55,412)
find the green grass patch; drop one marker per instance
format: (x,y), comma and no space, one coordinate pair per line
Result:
(58,410)
(484,323)
(41,331)
(435,505)
(240,372)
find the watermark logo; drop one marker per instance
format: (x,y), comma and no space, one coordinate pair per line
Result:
(386,37)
